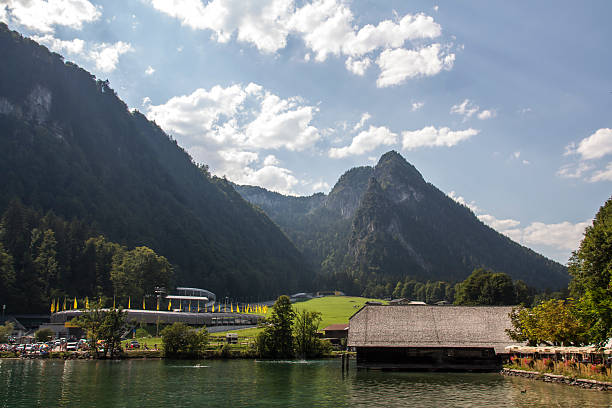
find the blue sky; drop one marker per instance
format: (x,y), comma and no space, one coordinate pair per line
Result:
(505,106)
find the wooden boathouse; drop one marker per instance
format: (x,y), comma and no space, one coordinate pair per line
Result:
(431,338)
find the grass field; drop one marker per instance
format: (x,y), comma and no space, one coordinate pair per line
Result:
(333,309)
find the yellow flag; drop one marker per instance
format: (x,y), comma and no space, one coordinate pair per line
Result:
(198,306)
(64,305)
(114,307)
(157,304)
(190,305)
(213,308)
(170,305)
(86,302)
(144,306)
(129,302)
(75,303)
(232,307)
(52,306)
(237,309)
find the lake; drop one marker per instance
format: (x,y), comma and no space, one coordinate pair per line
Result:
(172,384)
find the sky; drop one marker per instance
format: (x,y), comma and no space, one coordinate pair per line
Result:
(504,106)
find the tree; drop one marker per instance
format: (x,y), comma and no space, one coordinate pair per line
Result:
(276,339)
(554,322)
(7,274)
(43,335)
(45,262)
(305,326)
(137,272)
(105,325)
(484,287)
(5,331)
(591,270)
(182,340)
(111,330)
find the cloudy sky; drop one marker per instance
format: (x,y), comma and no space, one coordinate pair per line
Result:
(506,107)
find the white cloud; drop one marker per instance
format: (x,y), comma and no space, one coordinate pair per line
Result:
(227,128)
(602,175)
(320,186)
(327,27)
(487,114)
(430,136)
(400,64)
(357,67)
(282,123)
(258,22)
(596,146)
(150,70)
(388,34)
(271,160)
(365,141)
(526,162)
(471,205)
(75,46)
(498,224)
(465,108)
(364,118)
(43,15)
(146,101)
(416,106)
(574,170)
(557,239)
(564,235)
(271,177)
(516,155)
(106,56)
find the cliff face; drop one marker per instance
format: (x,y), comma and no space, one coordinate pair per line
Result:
(387,221)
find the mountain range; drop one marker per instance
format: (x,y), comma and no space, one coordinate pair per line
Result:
(385,223)
(70,146)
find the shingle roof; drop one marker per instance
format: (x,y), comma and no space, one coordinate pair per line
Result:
(431,326)
(337,326)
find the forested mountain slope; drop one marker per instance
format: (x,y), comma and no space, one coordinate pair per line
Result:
(70,145)
(379,225)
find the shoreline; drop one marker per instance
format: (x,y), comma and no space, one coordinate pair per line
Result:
(559,379)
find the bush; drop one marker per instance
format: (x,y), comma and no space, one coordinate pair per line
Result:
(43,335)
(142,333)
(181,340)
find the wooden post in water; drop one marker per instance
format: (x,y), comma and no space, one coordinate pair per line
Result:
(343,357)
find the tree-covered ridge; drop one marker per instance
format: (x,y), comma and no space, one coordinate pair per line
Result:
(382,224)
(44,258)
(68,144)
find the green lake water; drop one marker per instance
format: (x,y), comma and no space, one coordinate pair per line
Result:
(248,383)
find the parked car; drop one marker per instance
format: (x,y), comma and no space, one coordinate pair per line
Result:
(134,344)
(72,346)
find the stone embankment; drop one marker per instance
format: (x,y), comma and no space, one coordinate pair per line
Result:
(561,379)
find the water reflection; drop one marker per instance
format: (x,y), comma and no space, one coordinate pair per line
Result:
(238,383)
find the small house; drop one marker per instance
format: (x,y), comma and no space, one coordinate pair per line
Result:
(433,338)
(336,331)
